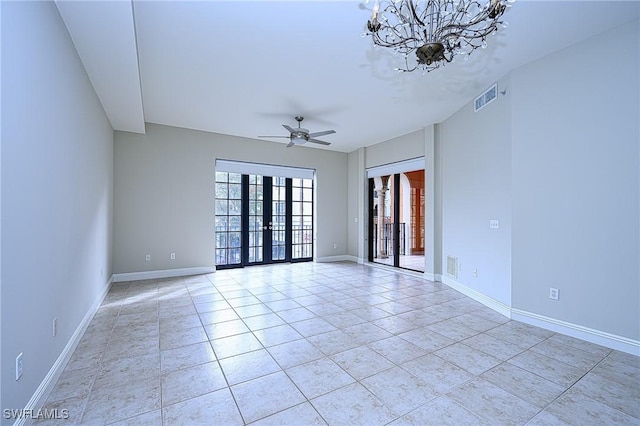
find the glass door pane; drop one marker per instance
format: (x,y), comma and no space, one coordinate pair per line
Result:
(383,223)
(228,208)
(411,234)
(302,218)
(255,244)
(278,219)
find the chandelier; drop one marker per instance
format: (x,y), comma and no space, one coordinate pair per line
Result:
(436,30)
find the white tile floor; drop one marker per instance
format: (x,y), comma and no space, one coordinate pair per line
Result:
(342,344)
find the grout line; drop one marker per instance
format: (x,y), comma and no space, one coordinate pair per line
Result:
(327,284)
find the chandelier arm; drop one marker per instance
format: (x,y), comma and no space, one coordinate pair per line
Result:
(384,43)
(412,7)
(461,31)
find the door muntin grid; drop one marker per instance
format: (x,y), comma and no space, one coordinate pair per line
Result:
(278,219)
(228,222)
(255,219)
(302,218)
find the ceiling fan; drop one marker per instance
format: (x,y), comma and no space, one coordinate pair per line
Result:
(300,136)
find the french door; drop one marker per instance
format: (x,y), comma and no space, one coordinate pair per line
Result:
(262,219)
(396,220)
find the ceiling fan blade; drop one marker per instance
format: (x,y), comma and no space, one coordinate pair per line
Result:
(326,132)
(289,128)
(320,142)
(274,137)
(290,144)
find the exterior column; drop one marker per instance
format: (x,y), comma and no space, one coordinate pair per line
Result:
(382,249)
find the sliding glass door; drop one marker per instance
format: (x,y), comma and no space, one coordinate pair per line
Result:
(262,219)
(396,220)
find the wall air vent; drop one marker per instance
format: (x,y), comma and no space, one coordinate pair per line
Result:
(486,98)
(452,266)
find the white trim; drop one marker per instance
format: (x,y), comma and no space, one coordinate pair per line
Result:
(437,277)
(41,394)
(163,273)
(247,168)
(487,301)
(341,258)
(598,337)
(429,276)
(399,167)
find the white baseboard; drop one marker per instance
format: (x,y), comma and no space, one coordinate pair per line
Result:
(429,276)
(163,273)
(341,258)
(487,301)
(598,337)
(437,277)
(43,391)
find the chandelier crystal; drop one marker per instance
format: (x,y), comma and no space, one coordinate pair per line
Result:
(435,30)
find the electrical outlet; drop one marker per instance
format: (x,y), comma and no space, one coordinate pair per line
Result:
(19,366)
(475,273)
(55,327)
(147,257)
(173,256)
(554,293)
(335,246)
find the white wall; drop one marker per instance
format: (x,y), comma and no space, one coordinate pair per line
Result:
(164,194)
(397,149)
(476,188)
(57,171)
(576,184)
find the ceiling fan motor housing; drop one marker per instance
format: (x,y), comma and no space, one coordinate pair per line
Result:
(300,137)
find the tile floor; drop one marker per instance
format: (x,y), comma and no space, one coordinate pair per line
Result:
(338,344)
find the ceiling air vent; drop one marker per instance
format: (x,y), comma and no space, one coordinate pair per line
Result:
(452,266)
(486,98)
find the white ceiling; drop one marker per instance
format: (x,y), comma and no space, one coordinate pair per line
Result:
(244,68)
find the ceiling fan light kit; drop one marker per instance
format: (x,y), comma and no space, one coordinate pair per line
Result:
(431,33)
(300,135)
